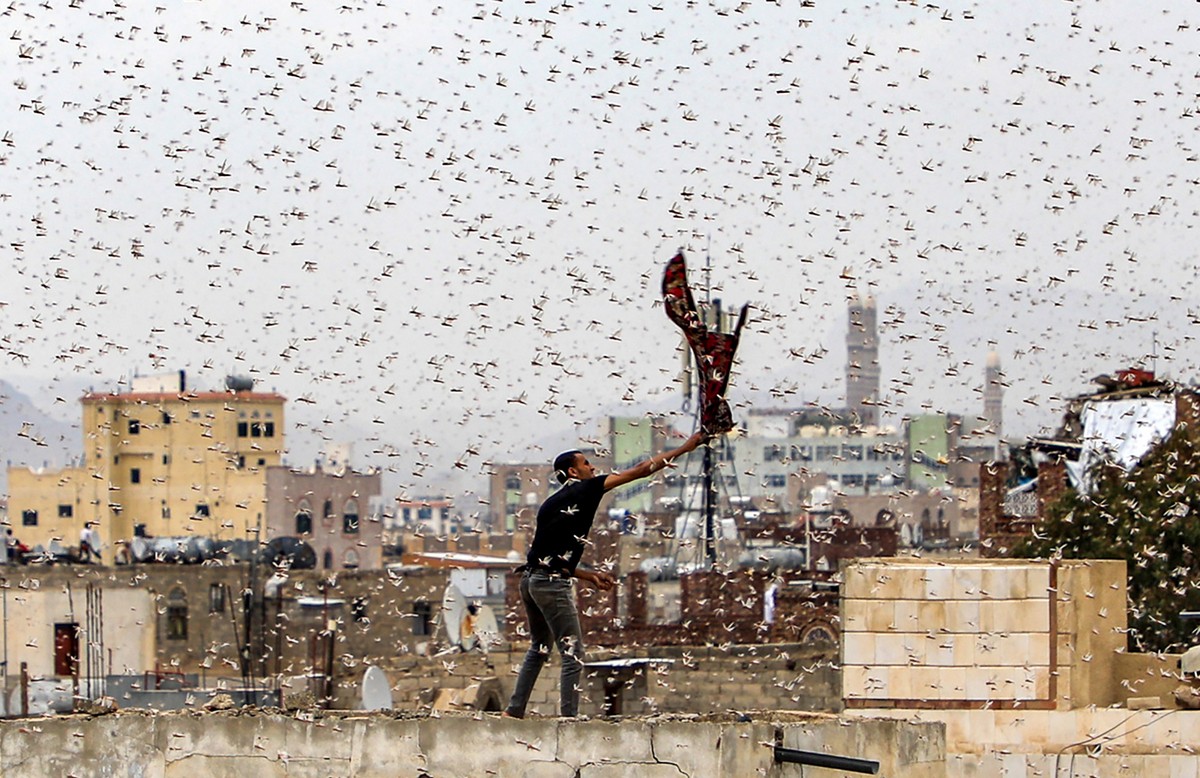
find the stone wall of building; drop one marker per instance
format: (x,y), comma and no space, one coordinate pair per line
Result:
(266,745)
(962,633)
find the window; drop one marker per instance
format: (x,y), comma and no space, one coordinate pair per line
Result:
(166,459)
(512,482)
(358,609)
(28,518)
(776,481)
(773,454)
(135,475)
(801,453)
(135,426)
(422,618)
(852,479)
(177,615)
(303,523)
(852,452)
(350,518)
(255,429)
(243,429)
(202,509)
(66,511)
(327,559)
(268,429)
(166,418)
(216,598)
(826,452)
(328,512)
(350,559)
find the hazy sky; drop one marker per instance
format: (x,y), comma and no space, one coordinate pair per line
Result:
(440,230)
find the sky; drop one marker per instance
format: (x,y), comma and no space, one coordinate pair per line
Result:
(440,230)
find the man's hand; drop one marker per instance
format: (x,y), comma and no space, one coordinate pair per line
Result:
(599,580)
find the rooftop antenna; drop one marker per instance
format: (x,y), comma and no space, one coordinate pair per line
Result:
(710,487)
(707,271)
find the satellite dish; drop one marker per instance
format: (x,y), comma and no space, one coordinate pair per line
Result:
(289,552)
(376,691)
(454,607)
(239,383)
(487,628)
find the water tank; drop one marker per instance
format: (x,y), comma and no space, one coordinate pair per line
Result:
(239,383)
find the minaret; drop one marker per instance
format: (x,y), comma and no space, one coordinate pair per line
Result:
(862,361)
(993,393)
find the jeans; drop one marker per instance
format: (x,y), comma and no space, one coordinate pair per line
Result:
(550,607)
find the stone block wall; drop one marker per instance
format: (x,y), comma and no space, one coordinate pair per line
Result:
(951,633)
(963,633)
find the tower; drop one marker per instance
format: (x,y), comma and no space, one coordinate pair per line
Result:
(993,393)
(862,361)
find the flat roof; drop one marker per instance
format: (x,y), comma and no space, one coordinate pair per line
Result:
(150,397)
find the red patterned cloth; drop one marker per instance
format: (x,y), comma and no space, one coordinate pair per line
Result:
(713,350)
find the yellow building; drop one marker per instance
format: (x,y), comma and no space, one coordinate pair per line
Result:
(178,461)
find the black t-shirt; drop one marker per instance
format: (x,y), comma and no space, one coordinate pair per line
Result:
(563,523)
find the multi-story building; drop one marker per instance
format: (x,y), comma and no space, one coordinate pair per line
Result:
(785,451)
(946,450)
(517,489)
(160,460)
(337,513)
(426,514)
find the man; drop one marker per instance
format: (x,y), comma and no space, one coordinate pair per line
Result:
(563,523)
(89,543)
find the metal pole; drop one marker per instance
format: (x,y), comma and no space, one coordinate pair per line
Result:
(24,688)
(849,764)
(710,547)
(4,594)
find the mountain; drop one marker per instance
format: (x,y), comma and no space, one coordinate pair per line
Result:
(33,437)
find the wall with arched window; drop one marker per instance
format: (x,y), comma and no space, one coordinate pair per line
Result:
(304,519)
(350,517)
(177,615)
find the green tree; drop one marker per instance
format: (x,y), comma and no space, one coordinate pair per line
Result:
(1150,517)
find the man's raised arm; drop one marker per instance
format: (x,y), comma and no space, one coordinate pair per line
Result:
(652,465)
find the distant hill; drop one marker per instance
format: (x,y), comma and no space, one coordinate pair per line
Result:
(31,436)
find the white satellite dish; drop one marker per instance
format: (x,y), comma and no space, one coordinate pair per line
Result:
(376,691)
(454,607)
(487,628)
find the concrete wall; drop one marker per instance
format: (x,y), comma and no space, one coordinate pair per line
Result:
(698,679)
(127,634)
(209,644)
(367,745)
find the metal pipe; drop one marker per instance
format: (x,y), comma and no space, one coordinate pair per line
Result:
(849,764)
